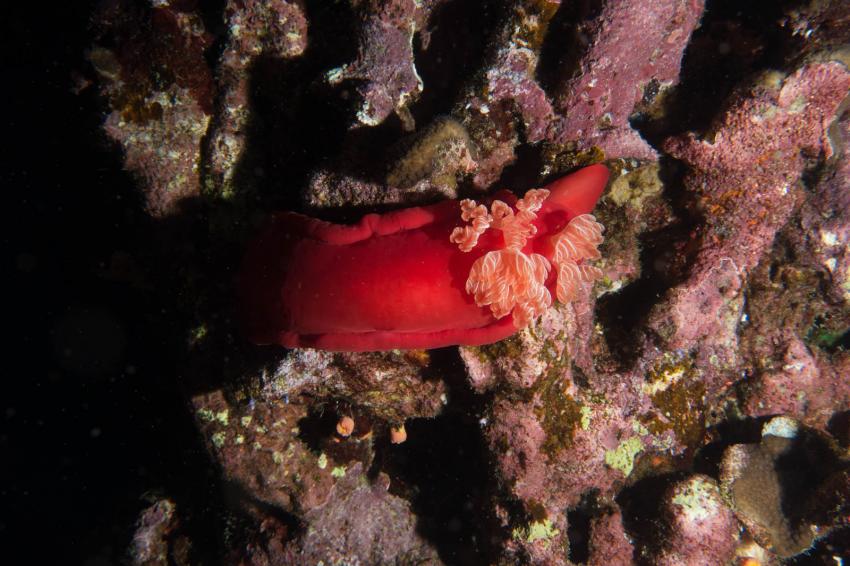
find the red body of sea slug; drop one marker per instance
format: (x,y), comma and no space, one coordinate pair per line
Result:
(423,277)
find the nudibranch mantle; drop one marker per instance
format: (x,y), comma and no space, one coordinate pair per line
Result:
(423,277)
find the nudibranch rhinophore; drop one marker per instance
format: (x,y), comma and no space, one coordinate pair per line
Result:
(424,277)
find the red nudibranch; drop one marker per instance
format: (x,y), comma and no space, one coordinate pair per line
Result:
(423,277)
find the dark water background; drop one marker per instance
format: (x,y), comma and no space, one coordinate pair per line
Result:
(90,415)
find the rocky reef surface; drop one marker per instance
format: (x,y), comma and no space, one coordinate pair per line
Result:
(692,408)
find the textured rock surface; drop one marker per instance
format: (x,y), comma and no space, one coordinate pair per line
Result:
(256,29)
(161,94)
(157,540)
(701,528)
(384,63)
(633,52)
(363,520)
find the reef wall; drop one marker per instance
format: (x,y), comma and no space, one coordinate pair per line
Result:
(691,408)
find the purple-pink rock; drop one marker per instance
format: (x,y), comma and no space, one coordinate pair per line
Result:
(701,529)
(629,45)
(825,221)
(745,177)
(805,385)
(384,66)
(362,519)
(609,544)
(157,540)
(507,90)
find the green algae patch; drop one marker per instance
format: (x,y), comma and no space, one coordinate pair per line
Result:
(669,371)
(222,417)
(205,414)
(586,413)
(683,409)
(538,530)
(826,335)
(218,439)
(623,456)
(561,416)
(338,472)
(699,500)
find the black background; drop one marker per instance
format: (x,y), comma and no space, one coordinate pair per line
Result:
(93,425)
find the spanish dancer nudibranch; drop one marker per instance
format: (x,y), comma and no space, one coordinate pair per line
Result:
(454,273)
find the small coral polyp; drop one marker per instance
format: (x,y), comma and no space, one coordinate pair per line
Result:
(423,277)
(511,281)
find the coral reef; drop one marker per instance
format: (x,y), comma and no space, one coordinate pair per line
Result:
(506,98)
(664,415)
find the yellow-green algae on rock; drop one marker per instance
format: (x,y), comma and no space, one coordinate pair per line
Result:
(623,456)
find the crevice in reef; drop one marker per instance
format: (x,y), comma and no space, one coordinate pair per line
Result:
(564,44)
(278,161)
(316,427)
(443,470)
(801,470)
(726,433)
(212,14)
(524,171)
(666,257)
(735,40)
(839,427)
(318,431)
(578,530)
(242,522)
(310,118)
(446,60)
(640,505)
